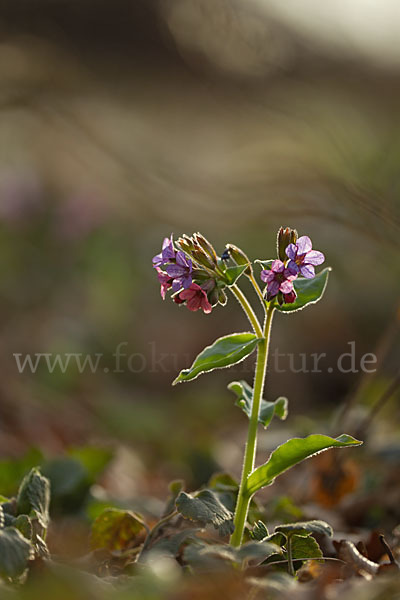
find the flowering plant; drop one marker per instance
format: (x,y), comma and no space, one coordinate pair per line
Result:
(199,279)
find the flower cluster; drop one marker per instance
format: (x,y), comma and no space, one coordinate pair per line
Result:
(190,272)
(198,277)
(296,258)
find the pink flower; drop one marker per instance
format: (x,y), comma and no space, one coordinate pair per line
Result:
(279,279)
(165,280)
(303,258)
(196,298)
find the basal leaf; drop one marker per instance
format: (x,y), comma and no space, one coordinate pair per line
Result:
(224,352)
(208,555)
(306,527)
(172,544)
(291,453)
(304,547)
(116,529)
(268,409)
(15,552)
(206,508)
(258,551)
(309,291)
(34,495)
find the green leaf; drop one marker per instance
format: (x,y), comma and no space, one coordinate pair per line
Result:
(206,508)
(268,409)
(232,274)
(207,555)
(291,453)
(172,544)
(224,352)
(259,531)
(259,551)
(306,527)
(24,525)
(305,547)
(116,529)
(15,552)
(34,495)
(309,291)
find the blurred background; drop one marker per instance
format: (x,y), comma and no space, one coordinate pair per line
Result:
(123,122)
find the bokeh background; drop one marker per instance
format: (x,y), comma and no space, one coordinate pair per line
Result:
(124,121)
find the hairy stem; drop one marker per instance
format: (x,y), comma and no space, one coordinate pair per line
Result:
(243,501)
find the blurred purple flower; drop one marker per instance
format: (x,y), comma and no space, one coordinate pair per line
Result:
(303,258)
(79,215)
(180,271)
(21,196)
(167,253)
(279,279)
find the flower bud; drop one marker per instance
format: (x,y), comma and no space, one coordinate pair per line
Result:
(239,257)
(201,258)
(206,246)
(285,237)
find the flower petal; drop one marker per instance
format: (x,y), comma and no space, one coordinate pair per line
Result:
(315,258)
(307,271)
(176,285)
(186,281)
(175,270)
(277,266)
(273,288)
(157,260)
(291,251)
(168,251)
(267,276)
(286,287)
(182,260)
(291,269)
(205,305)
(187,294)
(303,244)
(194,303)
(290,298)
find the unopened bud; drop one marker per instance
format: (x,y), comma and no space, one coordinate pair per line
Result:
(239,257)
(285,237)
(206,246)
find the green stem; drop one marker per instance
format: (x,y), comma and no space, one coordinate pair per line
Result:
(289,552)
(157,526)
(247,309)
(243,501)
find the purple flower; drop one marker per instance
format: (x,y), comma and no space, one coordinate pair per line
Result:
(167,253)
(180,271)
(279,279)
(303,258)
